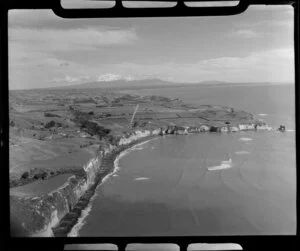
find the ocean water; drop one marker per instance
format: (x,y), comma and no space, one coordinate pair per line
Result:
(273,103)
(209,183)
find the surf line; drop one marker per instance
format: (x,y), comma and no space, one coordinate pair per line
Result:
(112,159)
(225,164)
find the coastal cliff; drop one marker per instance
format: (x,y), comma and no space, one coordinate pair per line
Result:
(81,141)
(37,215)
(57,212)
(61,208)
(110,152)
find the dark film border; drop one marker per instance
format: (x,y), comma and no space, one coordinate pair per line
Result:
(255,242)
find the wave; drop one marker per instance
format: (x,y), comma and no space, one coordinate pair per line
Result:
(262,114)
(138,148)
(117,160)
(141,178)
(108,176)
(224,165)
(81,221)
(126,152)
(85,212)
(142,143)
(245,139)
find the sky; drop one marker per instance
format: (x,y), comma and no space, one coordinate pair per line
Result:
(255,46)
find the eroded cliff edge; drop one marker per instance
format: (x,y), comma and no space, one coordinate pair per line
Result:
(82,126)
(55,213)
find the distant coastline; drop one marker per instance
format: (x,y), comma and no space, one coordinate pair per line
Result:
(152,84)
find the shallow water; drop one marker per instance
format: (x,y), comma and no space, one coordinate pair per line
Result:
(166,186)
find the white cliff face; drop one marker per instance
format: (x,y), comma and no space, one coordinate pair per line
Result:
(137,135)
(204,128)
(81,188)
(234,129)
(224,129)
(69,195)
(156,132)
(50,208)
(244,127)
(108,149)
(46,232)
(92,168)
(264,127)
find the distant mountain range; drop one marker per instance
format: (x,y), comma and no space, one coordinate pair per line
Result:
(121,83)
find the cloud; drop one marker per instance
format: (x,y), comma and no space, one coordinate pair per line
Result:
(71,39)
(262,60)
(109,77)
(69,79)
(24,56)
(64,64)
(36,54)
(245,33)
(273,65)
(266,24)
(280,19)
(112,77)
(33,18)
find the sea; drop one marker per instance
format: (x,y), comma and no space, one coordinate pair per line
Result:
(241,183)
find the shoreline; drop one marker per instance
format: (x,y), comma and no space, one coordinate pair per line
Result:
(78,213)
(52,138)
(85,212)
(72,202)
(72,218)
(111,167)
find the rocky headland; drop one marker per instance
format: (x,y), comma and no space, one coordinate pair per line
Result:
(79,134)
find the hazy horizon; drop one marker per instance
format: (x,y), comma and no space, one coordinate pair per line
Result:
(49,51)
(106,84)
